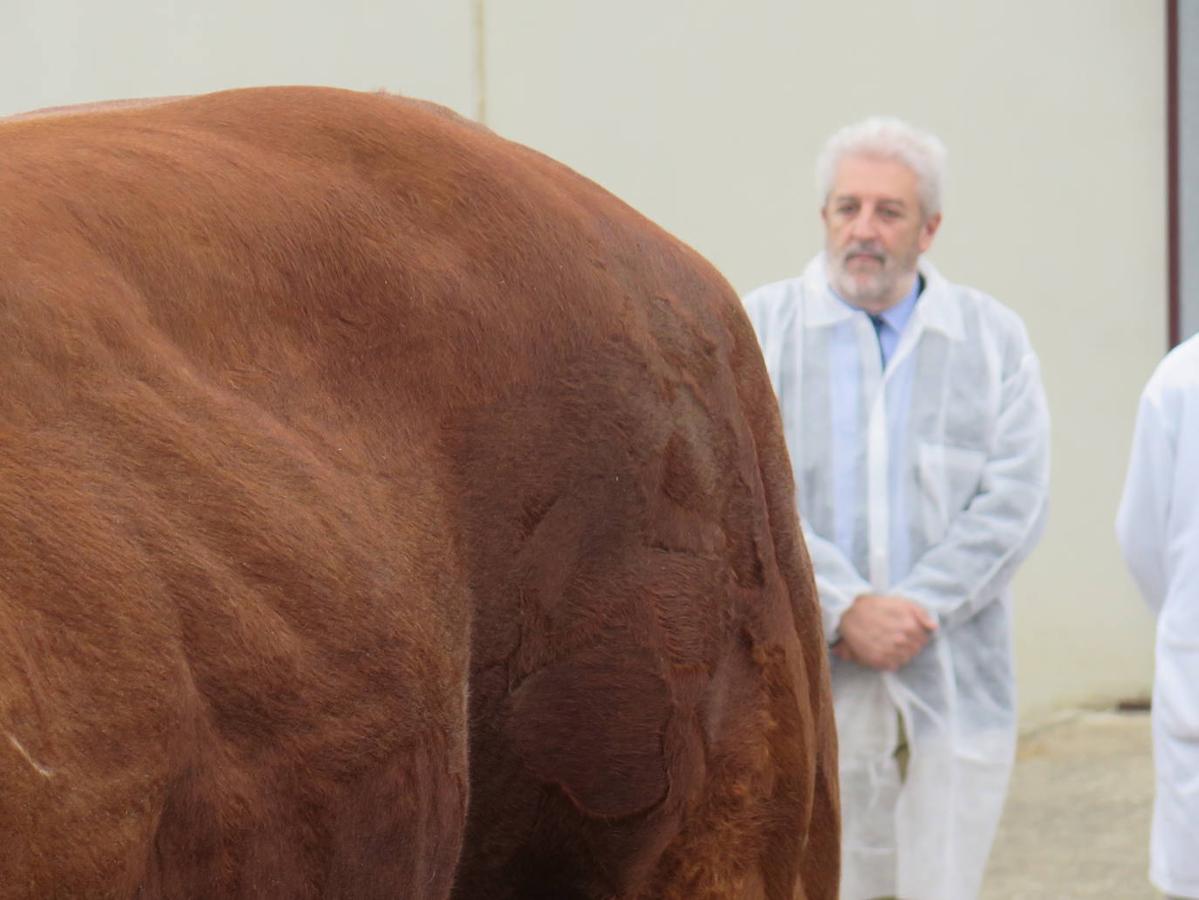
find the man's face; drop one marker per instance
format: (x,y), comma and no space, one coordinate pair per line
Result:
(875,231)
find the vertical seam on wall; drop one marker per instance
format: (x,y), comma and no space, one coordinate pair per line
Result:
(480,60)
(1173,186)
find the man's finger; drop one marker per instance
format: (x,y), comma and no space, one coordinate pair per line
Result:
(926,619)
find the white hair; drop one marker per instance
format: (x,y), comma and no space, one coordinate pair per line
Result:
(885,137)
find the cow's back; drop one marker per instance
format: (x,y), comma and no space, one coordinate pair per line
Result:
(312,400)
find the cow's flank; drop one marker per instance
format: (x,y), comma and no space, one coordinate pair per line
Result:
(385,511)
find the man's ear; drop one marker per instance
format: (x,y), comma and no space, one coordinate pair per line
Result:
(928,231)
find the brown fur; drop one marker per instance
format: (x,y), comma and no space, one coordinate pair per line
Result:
(318,407)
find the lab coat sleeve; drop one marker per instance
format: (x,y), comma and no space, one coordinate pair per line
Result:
(1145,506)
(837,581)
(985,542)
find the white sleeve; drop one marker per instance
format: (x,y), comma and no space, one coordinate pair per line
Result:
(1145,504)
(837,581)
(986,541)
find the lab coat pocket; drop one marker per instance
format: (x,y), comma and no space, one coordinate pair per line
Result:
(949,479)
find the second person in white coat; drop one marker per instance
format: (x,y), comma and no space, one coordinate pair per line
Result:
(1158,528)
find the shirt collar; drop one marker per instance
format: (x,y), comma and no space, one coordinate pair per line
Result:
(898,315)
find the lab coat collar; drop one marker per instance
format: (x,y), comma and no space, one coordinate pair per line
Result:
(936,309)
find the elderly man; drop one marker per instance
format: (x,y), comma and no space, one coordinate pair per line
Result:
(919,436)
(1158,528)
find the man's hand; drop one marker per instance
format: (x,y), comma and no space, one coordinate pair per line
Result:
(883,632)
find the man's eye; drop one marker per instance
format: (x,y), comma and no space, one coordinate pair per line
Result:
(889,213)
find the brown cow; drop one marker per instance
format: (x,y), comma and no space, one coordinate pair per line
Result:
(347,449)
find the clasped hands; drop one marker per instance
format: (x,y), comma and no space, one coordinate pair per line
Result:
(883,631)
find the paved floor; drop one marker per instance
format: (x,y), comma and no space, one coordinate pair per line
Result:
(1076,824)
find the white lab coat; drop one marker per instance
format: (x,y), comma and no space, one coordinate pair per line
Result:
(1158,528)
(968,459)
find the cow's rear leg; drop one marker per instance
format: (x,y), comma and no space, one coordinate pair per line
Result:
(398,831)
(390,829)
(753,835)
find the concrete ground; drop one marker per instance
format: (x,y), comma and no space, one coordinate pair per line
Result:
(1076,824)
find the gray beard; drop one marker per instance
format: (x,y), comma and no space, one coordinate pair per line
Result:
(877,293)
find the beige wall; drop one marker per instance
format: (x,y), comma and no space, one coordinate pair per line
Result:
(706,115)
(58,52)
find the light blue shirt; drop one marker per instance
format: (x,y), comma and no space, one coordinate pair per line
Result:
(849,440)
(891,322)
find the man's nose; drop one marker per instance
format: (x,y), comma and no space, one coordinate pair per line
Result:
(863,227)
